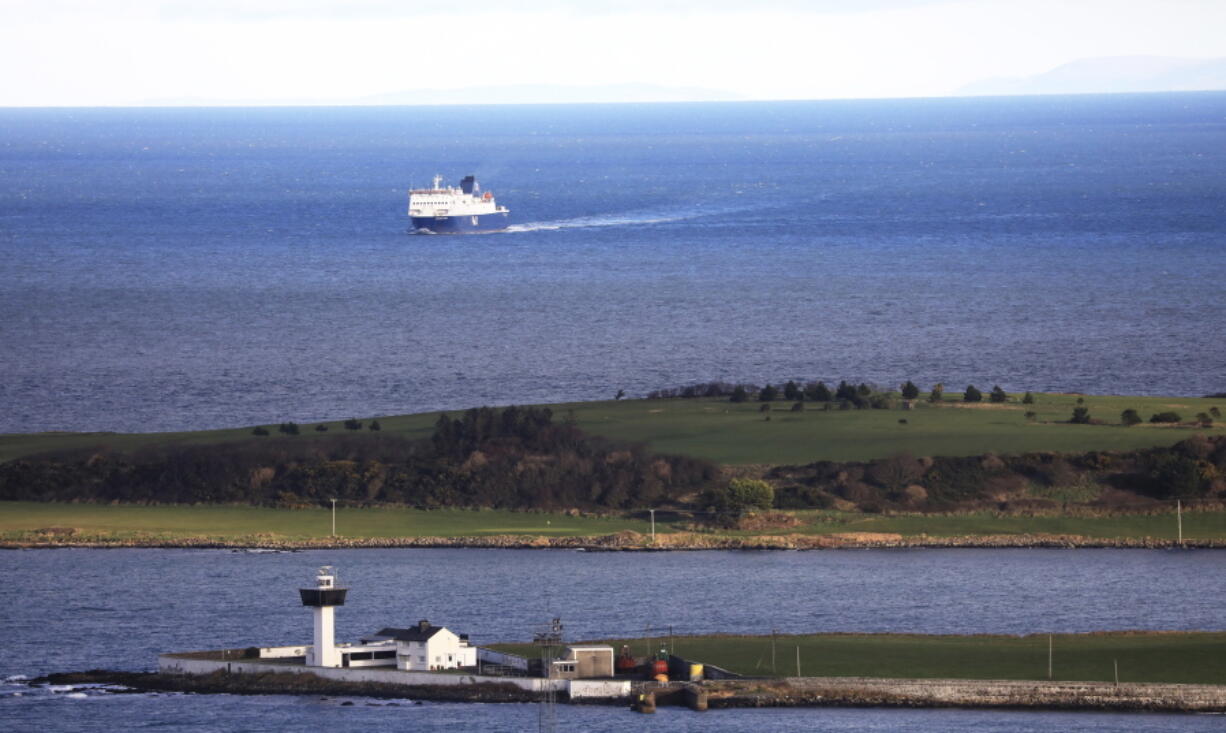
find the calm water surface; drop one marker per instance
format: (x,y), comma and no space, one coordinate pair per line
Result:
(81,609)
(190,268)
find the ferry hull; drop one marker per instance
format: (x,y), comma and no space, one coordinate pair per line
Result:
(473,224)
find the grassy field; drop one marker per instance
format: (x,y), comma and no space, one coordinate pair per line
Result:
(1193,657)
(235,523)
(738,433)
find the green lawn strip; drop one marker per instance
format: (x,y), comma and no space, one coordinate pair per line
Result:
(1196,525)
(1175,657)
(738,433)
(233,522)
(236,522)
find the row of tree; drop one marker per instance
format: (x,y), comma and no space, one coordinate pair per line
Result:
(509,458)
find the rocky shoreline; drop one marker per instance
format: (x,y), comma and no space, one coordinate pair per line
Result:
(789,692)
(618,542)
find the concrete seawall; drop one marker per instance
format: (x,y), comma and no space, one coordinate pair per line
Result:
(585,690)
(858,691)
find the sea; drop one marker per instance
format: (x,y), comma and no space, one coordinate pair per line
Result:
(117,609)
(185,268)
(179,269)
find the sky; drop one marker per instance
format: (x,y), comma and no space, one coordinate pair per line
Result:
(117,52)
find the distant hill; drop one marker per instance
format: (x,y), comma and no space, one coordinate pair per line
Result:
(1112,74)
(504,94)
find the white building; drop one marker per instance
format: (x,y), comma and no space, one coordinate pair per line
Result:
(425,647)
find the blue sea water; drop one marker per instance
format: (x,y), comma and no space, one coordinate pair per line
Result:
(166,269)
(69,610)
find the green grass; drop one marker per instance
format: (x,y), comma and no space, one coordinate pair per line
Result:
(1184,657)
(237,523)
(737,433)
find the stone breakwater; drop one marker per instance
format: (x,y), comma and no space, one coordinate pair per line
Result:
(789,692)
(857,691)
(621,541)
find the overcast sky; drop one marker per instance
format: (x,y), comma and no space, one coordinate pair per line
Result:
(99,52)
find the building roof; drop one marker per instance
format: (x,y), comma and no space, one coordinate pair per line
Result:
(421,632)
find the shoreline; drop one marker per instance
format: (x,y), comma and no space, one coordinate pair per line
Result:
(750,693)
(622,542)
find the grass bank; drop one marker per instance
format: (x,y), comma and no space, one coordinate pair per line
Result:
(47,523)
(1160,657)
(739,434)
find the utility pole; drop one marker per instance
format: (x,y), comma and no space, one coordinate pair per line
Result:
(773,632)
(1117,672)
(1049,656)
(1179,519)
(653,525)
(334,517)
(797,661)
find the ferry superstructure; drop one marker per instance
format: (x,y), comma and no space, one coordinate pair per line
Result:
(449,210)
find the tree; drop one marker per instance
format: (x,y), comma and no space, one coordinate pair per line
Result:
(739,497)
(1027,399)
(289,428)
(864,390)
(768,393)
(1081,416)
(739,394)
(353,424)
(620,394)
(938,393)
(374,425)
(791,391)
(766,407)
(321,428)
(260,431)
(819,392)
(1215,412)
(1130,417)
(1204,419)
(972,394)
(909,390)
(844,391)
(998,395)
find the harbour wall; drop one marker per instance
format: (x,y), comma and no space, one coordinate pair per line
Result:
(575,689)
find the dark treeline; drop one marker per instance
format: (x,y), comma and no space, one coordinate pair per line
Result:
(845,395)
(1191,469)
(516,457)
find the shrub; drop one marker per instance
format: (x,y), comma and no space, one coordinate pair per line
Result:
(1081,416)
(321,428)
(1031,415)
(620,394)
(1204,419)
(938,393)
(818,392)
(739,497)
(909,390)
(289,428)
(766,407)
(374,425)
(798,407)
(739,394)
(1027,399)
(260,431)
(998,395)
(1215,412)
(972,394)
(1130,417)
(1165,417)
(353,424)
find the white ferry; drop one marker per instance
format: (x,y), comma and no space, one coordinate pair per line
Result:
(448,210)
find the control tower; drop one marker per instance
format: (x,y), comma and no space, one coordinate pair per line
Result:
(324,597)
